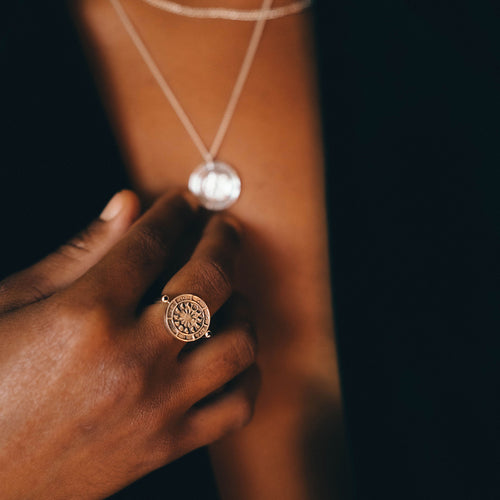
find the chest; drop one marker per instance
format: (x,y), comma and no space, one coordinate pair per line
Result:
(273,139)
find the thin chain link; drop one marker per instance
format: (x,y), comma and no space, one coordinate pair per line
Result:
(240,81)
(230,14)
(207,154)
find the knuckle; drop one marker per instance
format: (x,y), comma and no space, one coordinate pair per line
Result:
(81,243)
(96,345)
(37,290)
(152,243)
(8,299)
(78,305)
(92,318)
(149,245)
(68,251)
(24,288)
(153,236)
(214,276)
(149,238)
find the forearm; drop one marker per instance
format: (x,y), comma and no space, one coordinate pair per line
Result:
(294,446)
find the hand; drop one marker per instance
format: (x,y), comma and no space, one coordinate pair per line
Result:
(94,392)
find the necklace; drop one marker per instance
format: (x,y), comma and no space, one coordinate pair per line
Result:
(215,183)
(230,14)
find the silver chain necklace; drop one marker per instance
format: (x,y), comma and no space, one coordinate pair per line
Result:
(229,14)
(215,183)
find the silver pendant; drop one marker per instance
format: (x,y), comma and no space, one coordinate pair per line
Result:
(215,184)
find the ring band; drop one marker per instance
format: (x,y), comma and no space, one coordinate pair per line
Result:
(187,317)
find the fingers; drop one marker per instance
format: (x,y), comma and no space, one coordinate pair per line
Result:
(130,268)
(209,272)
(228,411)
(73,259)
(231,350)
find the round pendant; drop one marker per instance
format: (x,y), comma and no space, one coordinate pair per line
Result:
(187,317)
(216,185)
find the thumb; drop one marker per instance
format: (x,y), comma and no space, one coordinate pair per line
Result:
(73,259)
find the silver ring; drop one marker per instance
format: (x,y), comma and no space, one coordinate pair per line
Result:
(187,317)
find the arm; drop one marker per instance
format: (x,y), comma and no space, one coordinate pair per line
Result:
(94,393)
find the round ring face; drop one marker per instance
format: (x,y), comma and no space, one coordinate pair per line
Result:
(187,317)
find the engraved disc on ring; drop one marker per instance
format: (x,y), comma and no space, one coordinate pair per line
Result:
(187,317)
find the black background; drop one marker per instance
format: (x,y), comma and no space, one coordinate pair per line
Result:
(410,100)
(410,109)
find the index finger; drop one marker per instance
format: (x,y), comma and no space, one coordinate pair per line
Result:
(133,264)
(209,272)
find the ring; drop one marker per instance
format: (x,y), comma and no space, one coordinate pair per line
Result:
(187,317)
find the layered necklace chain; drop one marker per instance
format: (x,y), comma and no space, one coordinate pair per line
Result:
(229,14)
(215,183)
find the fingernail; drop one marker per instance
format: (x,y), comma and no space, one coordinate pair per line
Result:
(113,208)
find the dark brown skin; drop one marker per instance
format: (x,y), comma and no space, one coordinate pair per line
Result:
(94,392)
(292,448)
